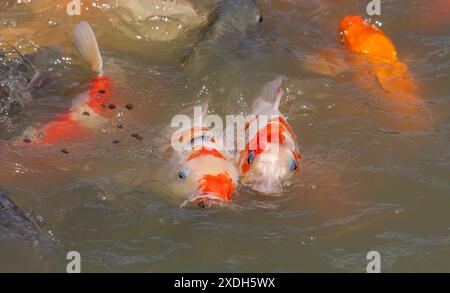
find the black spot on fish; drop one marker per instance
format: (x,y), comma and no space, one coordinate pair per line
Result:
(64,151)
(129,106)
(86,113)
(103,105)
(101,91)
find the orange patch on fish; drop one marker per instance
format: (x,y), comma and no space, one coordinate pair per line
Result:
(274,131)
(64,129)
(221,185)
(205,152)
(99,94)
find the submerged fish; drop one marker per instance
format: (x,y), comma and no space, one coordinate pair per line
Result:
(373,61)
(90,110)
(229,23)
(271,155)
(158,20)
(17,83)
(21,240)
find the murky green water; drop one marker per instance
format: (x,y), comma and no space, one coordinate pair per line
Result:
(372,177)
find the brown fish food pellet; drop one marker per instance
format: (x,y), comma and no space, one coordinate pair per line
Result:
(26,140)
(64,151)
(137,136)
(129,106)
(120,126)
(111,106)
(116,141)
(86,113)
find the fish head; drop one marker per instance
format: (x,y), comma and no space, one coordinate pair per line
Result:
(251,12)
(266,170)
(238,14)
(207,178)
(360,36)
(351,29)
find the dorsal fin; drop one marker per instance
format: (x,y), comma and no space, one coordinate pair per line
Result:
(270,98)
(86,44)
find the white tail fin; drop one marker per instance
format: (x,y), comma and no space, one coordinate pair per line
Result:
(87,46)
(270,99)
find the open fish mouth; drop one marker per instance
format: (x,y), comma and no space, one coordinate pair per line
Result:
(203,200)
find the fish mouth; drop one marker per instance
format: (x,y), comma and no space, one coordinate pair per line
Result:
(203,200)
(266,187)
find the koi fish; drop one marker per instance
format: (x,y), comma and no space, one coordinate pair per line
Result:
(228,24)
(91,109)
(21,237)
(20,88)
(271,154)
(204,173)
(363,38)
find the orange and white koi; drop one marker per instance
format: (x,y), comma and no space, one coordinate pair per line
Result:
(271,154)
(91,109)
(205,175)
(361,37)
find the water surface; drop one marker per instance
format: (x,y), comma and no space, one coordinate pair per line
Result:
(371,178)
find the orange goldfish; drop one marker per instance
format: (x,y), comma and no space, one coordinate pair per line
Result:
(366,39)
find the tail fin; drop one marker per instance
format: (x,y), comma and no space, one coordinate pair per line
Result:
(270,98)
(87,46)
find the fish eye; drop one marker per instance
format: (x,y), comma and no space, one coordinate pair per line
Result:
(259,18)
(182,175)
(293,165)
(251,156)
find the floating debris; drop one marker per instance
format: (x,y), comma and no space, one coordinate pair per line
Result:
(129,106)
